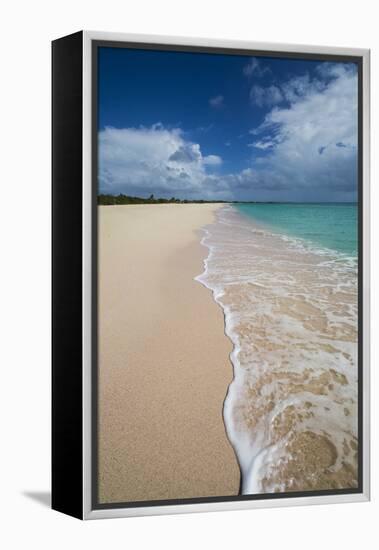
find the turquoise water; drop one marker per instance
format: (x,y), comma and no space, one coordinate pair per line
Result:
(329,225)
(285,276)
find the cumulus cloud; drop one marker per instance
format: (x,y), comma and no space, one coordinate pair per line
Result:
(305,149)
(255,67)
(296,87)
(266,143)
(313,138)
(301,86)
(271,95)
(212,160)
(217,101)
(155,160)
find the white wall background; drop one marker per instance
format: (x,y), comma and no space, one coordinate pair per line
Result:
(26,30)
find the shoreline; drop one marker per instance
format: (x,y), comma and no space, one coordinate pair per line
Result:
(294,358)
(164,366)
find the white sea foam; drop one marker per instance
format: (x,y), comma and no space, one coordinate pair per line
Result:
(291,313)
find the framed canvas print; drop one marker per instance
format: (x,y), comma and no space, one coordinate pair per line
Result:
(210,275)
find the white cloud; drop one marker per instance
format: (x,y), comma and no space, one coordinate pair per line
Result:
(305,149)
(271,95)
(255,67)
(217,101)
(263,144)
(212,160)
(159,160)
(313,139)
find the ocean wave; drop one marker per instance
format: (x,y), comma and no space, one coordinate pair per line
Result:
(291,313)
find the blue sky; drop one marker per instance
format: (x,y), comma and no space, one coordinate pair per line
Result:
(196,125)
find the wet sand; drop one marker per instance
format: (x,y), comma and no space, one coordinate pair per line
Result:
(164,365)
(292,408)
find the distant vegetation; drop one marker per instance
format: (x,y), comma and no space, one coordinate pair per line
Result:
(126,199)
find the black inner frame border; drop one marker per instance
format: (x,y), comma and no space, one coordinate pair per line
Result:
(95,45)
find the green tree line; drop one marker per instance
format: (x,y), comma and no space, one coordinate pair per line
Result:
(127,199)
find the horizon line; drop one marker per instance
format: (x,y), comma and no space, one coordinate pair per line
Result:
(226,201)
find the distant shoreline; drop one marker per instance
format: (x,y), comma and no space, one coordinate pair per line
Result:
(112,200)
(121,199)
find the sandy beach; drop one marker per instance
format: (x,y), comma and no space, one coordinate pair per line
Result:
(164,365)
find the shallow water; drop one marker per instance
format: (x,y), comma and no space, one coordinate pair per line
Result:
(291,312)
(329,225)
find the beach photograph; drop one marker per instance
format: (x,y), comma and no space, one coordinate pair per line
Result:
(227,275)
